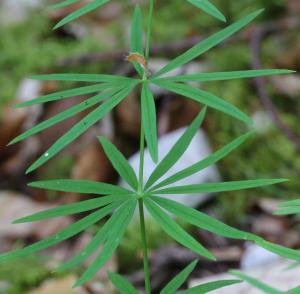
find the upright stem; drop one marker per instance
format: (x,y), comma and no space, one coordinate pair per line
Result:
(141,167)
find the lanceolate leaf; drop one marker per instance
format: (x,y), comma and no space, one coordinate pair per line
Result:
(99,238)
(175,231)
(65,234)
(81,127)
(224,76)
(62,4)
(206,6)
(80,186)
(204,163)
(111,244)
(207,44)
(219,187)
(136,43)
(122,284)
(65,115)
(177,150)
(288,210)
(211,286)
(119,162)
(178,281)
(73,208)
(149,120)
(205,98)
(78,13)
(294,291)
(254,282)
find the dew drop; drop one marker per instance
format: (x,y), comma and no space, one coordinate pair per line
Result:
(46,154)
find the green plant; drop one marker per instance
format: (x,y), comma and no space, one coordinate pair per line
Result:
(121,202)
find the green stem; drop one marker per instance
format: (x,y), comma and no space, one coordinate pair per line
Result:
(145,248)
(149,27)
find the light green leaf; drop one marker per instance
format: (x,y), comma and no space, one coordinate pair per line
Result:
(178,281)
(295,202)
(175,231)
(73,77)
(122,284)
(254,282)
(62,4)
(211,286)
(119,162)
(287,210)
(224,76)
(65,115)
(206,6)
(100,237)
(207,44)
(79,186)
(81,127)
(177,150)
(295,290)
(78,13)
(219,187)
(65,234)
(111,244)
(205,98)
(149,120)
(65,94)
(73,208)
(136,43)
(204,163)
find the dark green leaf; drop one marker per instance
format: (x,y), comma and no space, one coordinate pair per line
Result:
(81,127)
(224,76)
(219,187)
(206,6)
(204,163)
(65,234)
(149,120)
(119,162)
(254,282)
(78,13)
(136,43)
(207,44)
(177,150)
(208,287)
(178,281)
(111,244)
(205,98)
(122,284)
(79,186)
(73,208)
(175,231)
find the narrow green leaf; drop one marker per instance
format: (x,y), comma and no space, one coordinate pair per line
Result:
(65,234)
(65,115)
(81,127)
(204,163)
(149,120)
(73,77)
(176,231)
(78,13)
(206,6)
(62,4)
(295,290)
(65,94)
(111,244)
(254,282)
(211,286)
(224,76)
(177,150)
(290,203)
(205,98)
(179,279)
(73,208)
(79,186)
(219,187)
(122,284)
(200,219)
(207,44)
(99,238)
(136,43)
(287,211)
(119,162)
